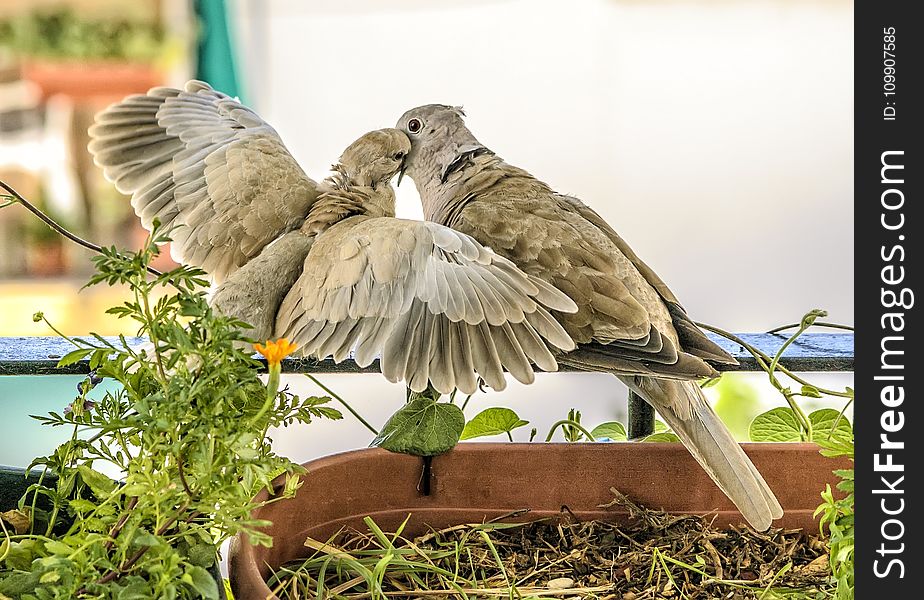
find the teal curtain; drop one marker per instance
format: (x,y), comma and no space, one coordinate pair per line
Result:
(216,49)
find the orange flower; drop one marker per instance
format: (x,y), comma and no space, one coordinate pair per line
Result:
(274,352)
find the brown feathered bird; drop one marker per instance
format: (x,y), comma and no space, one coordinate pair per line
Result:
(326,264)
(628,322)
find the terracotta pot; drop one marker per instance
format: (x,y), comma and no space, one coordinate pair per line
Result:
(96,80)
(481,481)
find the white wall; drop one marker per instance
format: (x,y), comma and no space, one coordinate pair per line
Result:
(715,136)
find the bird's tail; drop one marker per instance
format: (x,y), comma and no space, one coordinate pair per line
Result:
(684,407)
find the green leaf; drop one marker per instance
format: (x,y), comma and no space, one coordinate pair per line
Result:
(203,582)
(613,430)
(844,473)
(811,391)
(81,505)
(823,425)
(101,485)
(492,421)
(660,427)
(58,548)
(776,425)
(662,436)
(18,584)
(74,356)
(147,539)
(422,428)
(136,590)
(202,555)
(50,577)
(708,383)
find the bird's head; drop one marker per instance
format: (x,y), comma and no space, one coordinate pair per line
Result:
(374,158)
(438,138)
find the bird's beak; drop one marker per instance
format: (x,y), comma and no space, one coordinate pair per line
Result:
(401,171)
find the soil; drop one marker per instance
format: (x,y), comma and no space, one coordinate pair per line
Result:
(652,555)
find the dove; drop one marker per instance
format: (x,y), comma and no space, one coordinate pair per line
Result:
(628,321)
(326,265)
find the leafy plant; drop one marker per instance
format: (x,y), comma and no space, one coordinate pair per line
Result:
(493,421)
(831,430)
(187,431)
(837,515)
(62,34)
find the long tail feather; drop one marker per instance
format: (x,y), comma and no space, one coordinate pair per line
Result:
(683,406)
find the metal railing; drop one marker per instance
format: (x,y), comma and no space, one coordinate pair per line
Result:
(811,352)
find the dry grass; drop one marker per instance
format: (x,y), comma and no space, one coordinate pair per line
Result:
(653,555)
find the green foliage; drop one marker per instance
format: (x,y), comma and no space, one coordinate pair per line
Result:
(781,425)
(831,430)
(64,34)
(612,430)
(493,421)
(837,515)
(187,430)
(776,425)
(662,436)
(422,427)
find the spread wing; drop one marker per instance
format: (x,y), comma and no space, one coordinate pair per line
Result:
(206,166)
(435,304)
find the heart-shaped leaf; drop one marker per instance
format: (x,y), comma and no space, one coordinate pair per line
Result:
(776,425)
(492,421)
(612,430)
(823,425)
(422,428)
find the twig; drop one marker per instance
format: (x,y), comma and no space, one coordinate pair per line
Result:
(540,592)
(55,226)
(121,522)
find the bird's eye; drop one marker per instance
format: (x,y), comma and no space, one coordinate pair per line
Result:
(414,125)
(399,156)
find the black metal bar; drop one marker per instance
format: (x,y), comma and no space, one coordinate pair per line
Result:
(426,475)
(641,417)
(811,352)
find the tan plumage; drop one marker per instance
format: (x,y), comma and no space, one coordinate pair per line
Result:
(628,322)
(438,306)
(200,162)
(326,265)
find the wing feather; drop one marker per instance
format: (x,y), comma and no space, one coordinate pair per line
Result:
(206,167)
(439,308)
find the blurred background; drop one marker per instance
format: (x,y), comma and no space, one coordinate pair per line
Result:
(715,135)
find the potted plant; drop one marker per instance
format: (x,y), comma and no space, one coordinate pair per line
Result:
(185,435)
(401,498)
(66,53)
(188,431)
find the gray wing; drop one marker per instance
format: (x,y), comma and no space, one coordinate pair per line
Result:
(206,166)
(438,307)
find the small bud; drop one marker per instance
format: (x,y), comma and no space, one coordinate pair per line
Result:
(38,317)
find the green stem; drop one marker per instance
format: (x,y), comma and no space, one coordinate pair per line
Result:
(61,335)
(816,324)
(771,370)
(569,423)
(336,397)
(272,387)
(763,360)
